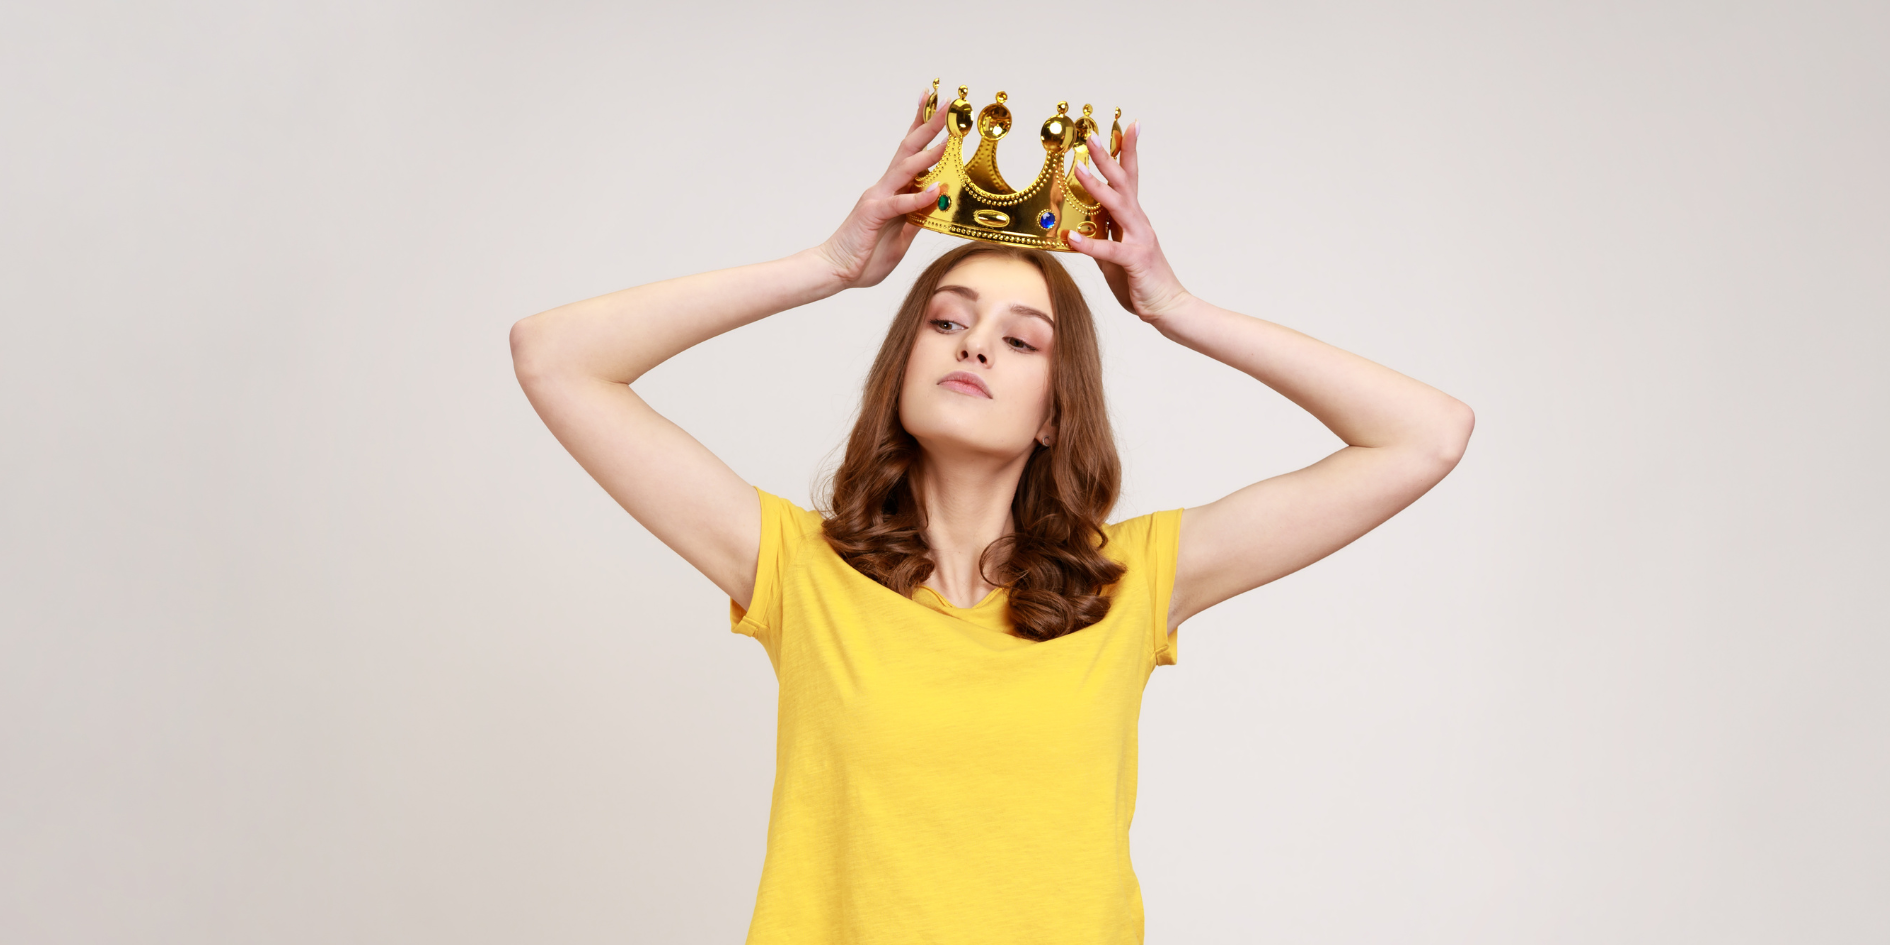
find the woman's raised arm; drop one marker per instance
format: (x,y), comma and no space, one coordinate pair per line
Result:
(577,363)
(1401,436)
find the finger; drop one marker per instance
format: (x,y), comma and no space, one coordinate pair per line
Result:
(905,169)
(918,111)
(1118,177)
(921,134)
(1100,250)
(1120,206)
(1131,145)
(1093,181)
(1125,209)
(902,204)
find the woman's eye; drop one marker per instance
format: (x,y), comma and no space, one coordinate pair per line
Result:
(1020,344)
(943,324)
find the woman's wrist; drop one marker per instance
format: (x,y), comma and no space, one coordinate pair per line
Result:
(1183,317)
(815,275)
(1177,306)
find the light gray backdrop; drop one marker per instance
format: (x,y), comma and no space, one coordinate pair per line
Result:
(313,634)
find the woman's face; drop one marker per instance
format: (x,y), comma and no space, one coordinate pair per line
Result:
(978,381)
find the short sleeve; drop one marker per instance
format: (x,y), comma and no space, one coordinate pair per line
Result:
(784,526)
(1149,545)
(1164,545)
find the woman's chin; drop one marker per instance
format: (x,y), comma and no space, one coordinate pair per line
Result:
(956,445)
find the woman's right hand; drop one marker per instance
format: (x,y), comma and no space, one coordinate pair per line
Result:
(868,246)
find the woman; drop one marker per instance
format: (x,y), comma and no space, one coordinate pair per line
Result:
(962,644)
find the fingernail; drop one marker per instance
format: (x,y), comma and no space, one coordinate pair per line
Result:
(1136,127)
(1076,237)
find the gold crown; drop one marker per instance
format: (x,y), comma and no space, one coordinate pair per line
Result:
(974,201)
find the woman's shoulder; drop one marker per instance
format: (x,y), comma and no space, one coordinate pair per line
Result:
(786,505)
(784,522)
(1151,535)
(1142,523)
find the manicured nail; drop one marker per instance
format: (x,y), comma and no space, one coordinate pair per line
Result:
(1076,237)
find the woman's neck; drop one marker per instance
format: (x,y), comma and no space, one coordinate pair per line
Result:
(967,507)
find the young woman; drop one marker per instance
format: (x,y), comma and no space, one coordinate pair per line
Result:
(962,643)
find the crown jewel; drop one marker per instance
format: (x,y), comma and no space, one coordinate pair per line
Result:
(975,202)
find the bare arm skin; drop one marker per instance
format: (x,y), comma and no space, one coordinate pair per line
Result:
(1402,436)
(578,362)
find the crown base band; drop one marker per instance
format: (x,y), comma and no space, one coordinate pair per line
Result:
(1056,241)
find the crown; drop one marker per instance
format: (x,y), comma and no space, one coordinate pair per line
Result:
(975,202)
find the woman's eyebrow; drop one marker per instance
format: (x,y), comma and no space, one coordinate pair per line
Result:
(971,294)
(1021,309)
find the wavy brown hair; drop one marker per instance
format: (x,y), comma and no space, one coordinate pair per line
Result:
(1052,565)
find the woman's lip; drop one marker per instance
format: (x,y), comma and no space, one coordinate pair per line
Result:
(965,384)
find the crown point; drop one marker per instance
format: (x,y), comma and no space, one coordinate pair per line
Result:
(965,90)
(960,122)
(1002,98)
(995,120)
(1057,133)
(1085,107)
(1063,108)
(1118,113)
(1085,128)
(930,107)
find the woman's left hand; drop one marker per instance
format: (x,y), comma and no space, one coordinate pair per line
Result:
(1132,262)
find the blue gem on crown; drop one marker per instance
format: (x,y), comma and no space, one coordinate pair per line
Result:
(1047,219)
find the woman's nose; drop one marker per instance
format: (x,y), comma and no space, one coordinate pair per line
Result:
(966,353)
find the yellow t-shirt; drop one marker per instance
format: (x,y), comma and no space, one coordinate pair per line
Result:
(939,781)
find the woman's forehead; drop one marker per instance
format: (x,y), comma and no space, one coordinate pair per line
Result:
(995,280)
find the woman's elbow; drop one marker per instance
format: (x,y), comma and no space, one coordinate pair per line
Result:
(1453,433)
(529,360)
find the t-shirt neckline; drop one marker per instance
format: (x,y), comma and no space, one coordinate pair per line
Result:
(989,597)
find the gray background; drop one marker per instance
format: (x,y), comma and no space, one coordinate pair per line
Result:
(312,633)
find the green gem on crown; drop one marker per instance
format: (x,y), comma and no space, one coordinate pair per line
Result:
(944,201)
